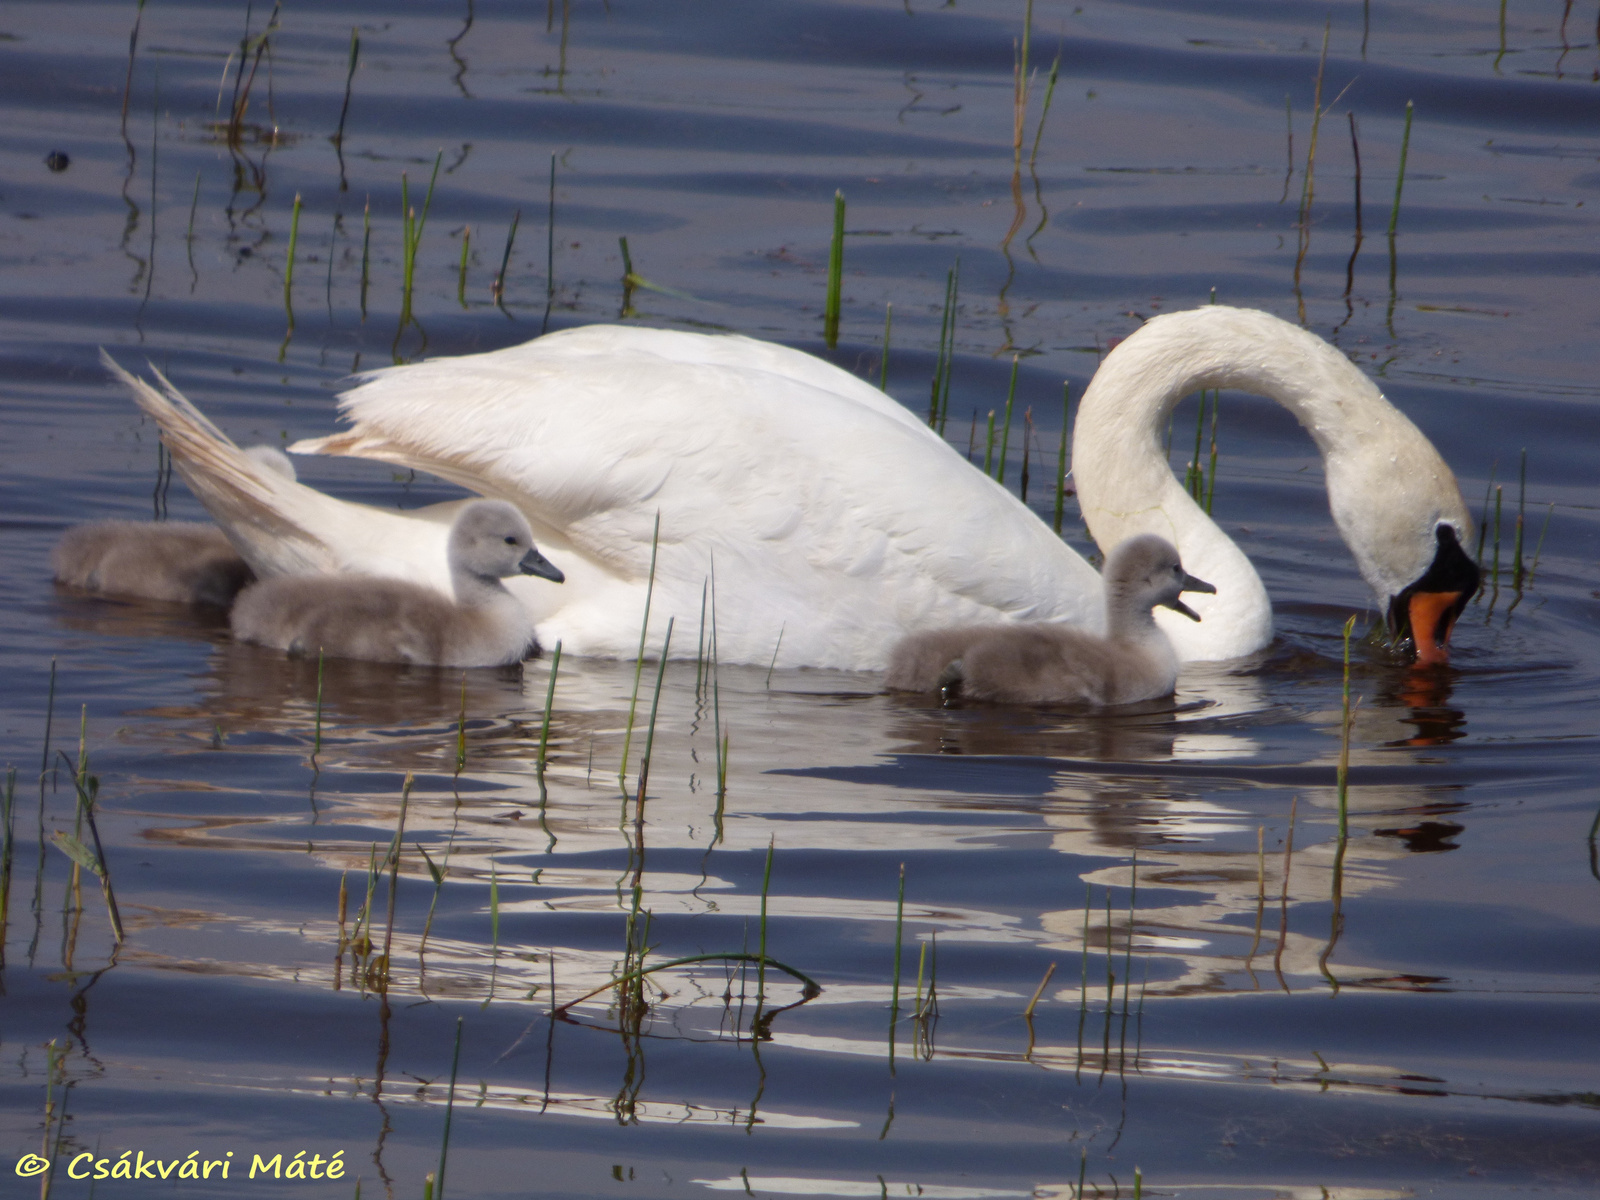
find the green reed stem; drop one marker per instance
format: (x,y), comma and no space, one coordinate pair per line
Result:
(349,79)
(544,724)
(461,729)
(461,274)
(638,662)
(1049,94)
(1499,495)
(1400,176)
(774,663)
(366,253)
(761,965)
(650,734)
(498,288)
(988,447)
(1538,548)
(1211,479)
(316,744)
(449,1107)
(288,266)
(883,367)
(1005,436)
(830,314)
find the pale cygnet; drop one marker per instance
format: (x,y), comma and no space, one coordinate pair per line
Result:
(392,620)
(1049,663)
(183,562)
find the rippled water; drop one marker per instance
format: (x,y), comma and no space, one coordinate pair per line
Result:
(1238,1007)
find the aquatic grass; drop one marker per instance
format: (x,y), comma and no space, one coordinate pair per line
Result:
(1283,900)
(366,254)
(1308,186)
(497,290)
(1038,992)
(1355,249)
(461,729)
(1027,445)
(772,666)
(811,988)
(988,448)
(1538,547)
(437,872)
(1483,521)
(761,965)
(461,272)
(1288,170)
(394,878)
(638,662)
(412,225)
(494,930)
(449,1107)
(1400,174)
(631,280)
(316,743)
(1005,436)
(288,265)
(830,312)
(883,365)
(544,727)
(1049,94)
(133,47)
(188,236)
(939,400)
(343,915)
(650,735)
(1061,455)
(344,108)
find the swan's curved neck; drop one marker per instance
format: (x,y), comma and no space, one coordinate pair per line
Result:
(1125,486)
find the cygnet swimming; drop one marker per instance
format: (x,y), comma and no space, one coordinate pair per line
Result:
(391,620)
(1051,663)
(183,562)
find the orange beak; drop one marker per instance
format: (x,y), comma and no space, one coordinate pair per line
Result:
(1432,616)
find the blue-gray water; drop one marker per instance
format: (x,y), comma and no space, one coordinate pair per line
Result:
(1222,1027)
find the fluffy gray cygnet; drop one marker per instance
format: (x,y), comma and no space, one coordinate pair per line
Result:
(1048,663)
(392,620)
(183,562)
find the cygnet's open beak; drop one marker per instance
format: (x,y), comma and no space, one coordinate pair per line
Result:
(1190,584)
(534,563)
(1426,611)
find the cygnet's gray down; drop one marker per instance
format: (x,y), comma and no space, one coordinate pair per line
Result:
(183,562)
(392,620)
(1048,663)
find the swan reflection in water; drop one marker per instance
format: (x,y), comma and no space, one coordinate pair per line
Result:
(1183,784)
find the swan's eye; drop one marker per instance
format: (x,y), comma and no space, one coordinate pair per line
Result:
(511,541)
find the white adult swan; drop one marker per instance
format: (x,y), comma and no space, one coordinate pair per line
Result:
(829,513)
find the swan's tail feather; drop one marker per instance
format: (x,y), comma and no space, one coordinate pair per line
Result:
(261,511)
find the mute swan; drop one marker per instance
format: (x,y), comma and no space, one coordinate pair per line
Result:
(828,512)
(182,562)
(1043,664)
(391,620)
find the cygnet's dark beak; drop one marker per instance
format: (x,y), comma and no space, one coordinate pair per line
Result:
(534,563)
(1190,584)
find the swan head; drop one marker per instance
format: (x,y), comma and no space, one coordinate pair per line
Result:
(491,540)
(1425,610)
(1145,572)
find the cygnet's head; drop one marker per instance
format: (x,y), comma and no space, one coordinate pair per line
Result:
(1144,572)
(272,459)
(491,539)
